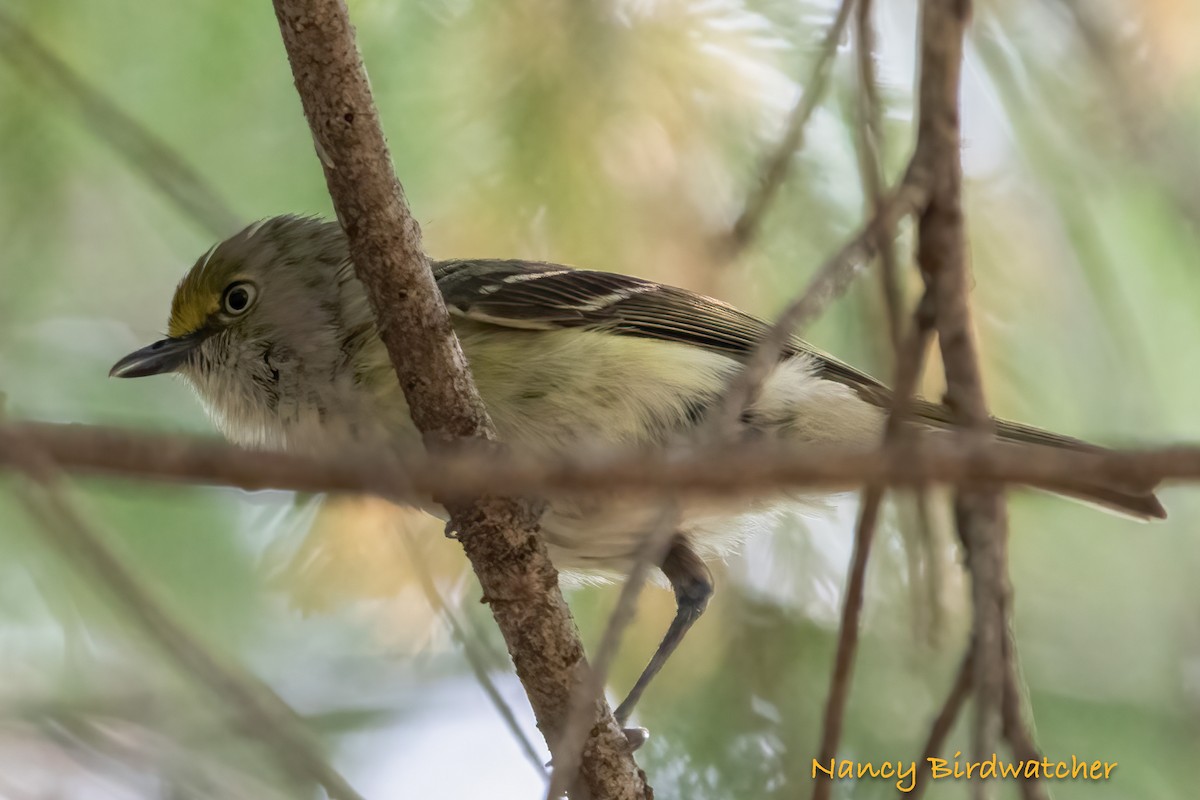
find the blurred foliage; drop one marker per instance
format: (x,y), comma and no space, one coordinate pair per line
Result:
(622,135)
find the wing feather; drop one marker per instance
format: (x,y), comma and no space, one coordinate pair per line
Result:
(528,294)
(543,296)
(539,295)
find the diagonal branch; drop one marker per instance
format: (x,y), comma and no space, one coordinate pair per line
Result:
(256,707)
(916,529)
(869,141)
(908,372)
(1017,731)
(829,283)
(775,167)
(499,535)
(475,659)
(649,553)
(942,724)
(149,156)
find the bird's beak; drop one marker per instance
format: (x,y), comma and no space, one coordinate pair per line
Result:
(165,355)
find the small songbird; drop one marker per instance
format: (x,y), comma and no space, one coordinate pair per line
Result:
(273,330)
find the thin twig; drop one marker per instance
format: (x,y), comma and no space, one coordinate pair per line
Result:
(942,724)
(499,534)
(870,143)
(474,659)
(916,529)
(908,371)
(745,469)
(148,155)
(650,553)
(775,167)
(829,282)
(250,701)
(1017,731)
(932,559)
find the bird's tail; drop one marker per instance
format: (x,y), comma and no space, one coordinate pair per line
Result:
(1133,499)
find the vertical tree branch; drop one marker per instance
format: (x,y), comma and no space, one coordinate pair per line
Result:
(942,255)
(916,529)
(499,535)
(908,371)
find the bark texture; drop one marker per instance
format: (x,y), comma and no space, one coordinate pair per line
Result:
(498,534)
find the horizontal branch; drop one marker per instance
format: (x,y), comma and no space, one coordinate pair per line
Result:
(731,470)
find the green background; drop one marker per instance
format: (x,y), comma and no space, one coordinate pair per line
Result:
(618,135)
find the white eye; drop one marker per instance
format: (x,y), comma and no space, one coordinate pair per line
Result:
(238,297)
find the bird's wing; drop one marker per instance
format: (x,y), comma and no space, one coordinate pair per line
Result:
(541,296)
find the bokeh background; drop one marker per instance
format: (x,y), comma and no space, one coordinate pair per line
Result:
(621,135)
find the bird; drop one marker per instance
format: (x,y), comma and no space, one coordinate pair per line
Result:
(273,330)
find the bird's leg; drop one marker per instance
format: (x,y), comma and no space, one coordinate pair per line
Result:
(693,585)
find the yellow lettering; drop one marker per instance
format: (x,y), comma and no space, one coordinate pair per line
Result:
(1109,768)
(971,765)
(886,770)
(1078,767)
(816,767)
(1032,769)
(938,768)
(909,774)
(845,769)
(1094,772)
(988,768)
(868,768)
(1010,769)
(1061,770)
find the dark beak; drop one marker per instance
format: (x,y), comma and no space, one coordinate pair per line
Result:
(165,355)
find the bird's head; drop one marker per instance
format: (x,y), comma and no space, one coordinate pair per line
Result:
(263,320)
(275,282)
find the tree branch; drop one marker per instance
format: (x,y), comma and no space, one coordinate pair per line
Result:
(649,554)
(499,535)
(908,372)
(915,529)
(829,282)
(869,140)
(1016,730)
(775,167)
(147,155)
(471,652)
(942,255)
(254,704)
(942,724)
(742,469)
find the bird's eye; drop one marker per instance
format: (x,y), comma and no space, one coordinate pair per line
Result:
(238,297)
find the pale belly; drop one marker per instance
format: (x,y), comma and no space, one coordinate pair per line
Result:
(560,392)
